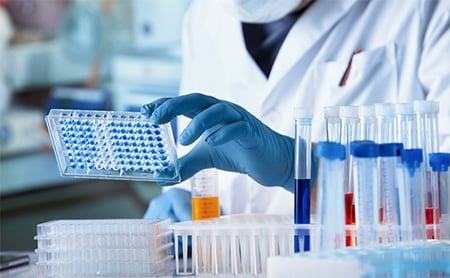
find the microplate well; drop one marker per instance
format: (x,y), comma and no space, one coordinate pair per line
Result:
(112,145)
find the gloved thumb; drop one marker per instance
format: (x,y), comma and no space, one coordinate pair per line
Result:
(191,163)
(195,160)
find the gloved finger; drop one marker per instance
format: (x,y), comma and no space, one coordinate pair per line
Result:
(217,114)
(188,105)
(147,109)
(194,161)
(236,131)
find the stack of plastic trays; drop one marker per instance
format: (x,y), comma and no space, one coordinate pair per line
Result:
(105,247)
(234,244)
(416,259)
(112,145)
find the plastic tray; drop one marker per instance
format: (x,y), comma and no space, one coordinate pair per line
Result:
(149,227)
(103,241)
(103,255)
(112,145)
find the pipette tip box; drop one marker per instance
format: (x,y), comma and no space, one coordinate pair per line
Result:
(112,145)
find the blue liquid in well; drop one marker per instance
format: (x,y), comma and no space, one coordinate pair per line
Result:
(302,199)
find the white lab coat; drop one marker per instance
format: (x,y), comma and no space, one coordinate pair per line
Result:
(406,56)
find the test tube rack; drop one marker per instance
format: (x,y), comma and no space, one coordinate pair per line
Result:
(112,145)
(105,248)
(233,244)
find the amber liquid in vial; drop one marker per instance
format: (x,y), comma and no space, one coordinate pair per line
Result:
(205,197)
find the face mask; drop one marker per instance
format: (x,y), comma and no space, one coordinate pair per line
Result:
(260,11)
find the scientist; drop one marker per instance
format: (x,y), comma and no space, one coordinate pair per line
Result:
(258,59)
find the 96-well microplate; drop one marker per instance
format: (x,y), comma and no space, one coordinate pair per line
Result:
(112,145)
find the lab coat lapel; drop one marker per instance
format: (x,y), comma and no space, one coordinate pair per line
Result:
(242,74)
(305,34)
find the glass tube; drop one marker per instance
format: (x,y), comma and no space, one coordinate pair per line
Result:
(350,132)
(411,196)
(302,185)
(436,208)
(205,195)
(330,196)
(390,160)
(385,113)
(406,125)
(333,123)
(368,122)
(428,136)
(365,155)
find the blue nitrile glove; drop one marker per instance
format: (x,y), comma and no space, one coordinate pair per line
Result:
(174,204)
(238,142)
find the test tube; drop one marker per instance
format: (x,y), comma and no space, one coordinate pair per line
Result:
(428,139)
(411,196)
(350,132)
(385,114)
(436,211)
(365,155)
(333,123)
(302,185)
(368,122)
(390,161)
(330,196)
(406,121)
(205,195)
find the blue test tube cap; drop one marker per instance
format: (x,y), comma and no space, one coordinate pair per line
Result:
(412,158)
(439,162)
(364,149)
(391,149)
(330,150)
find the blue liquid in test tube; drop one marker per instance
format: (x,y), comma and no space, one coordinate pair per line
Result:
(302,186)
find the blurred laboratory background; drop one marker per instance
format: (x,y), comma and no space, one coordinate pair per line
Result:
(75,54)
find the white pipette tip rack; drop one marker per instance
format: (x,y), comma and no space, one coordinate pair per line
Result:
(112,145)
(105,248)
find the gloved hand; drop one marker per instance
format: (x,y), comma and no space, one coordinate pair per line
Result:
(234,140)
(174,204)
